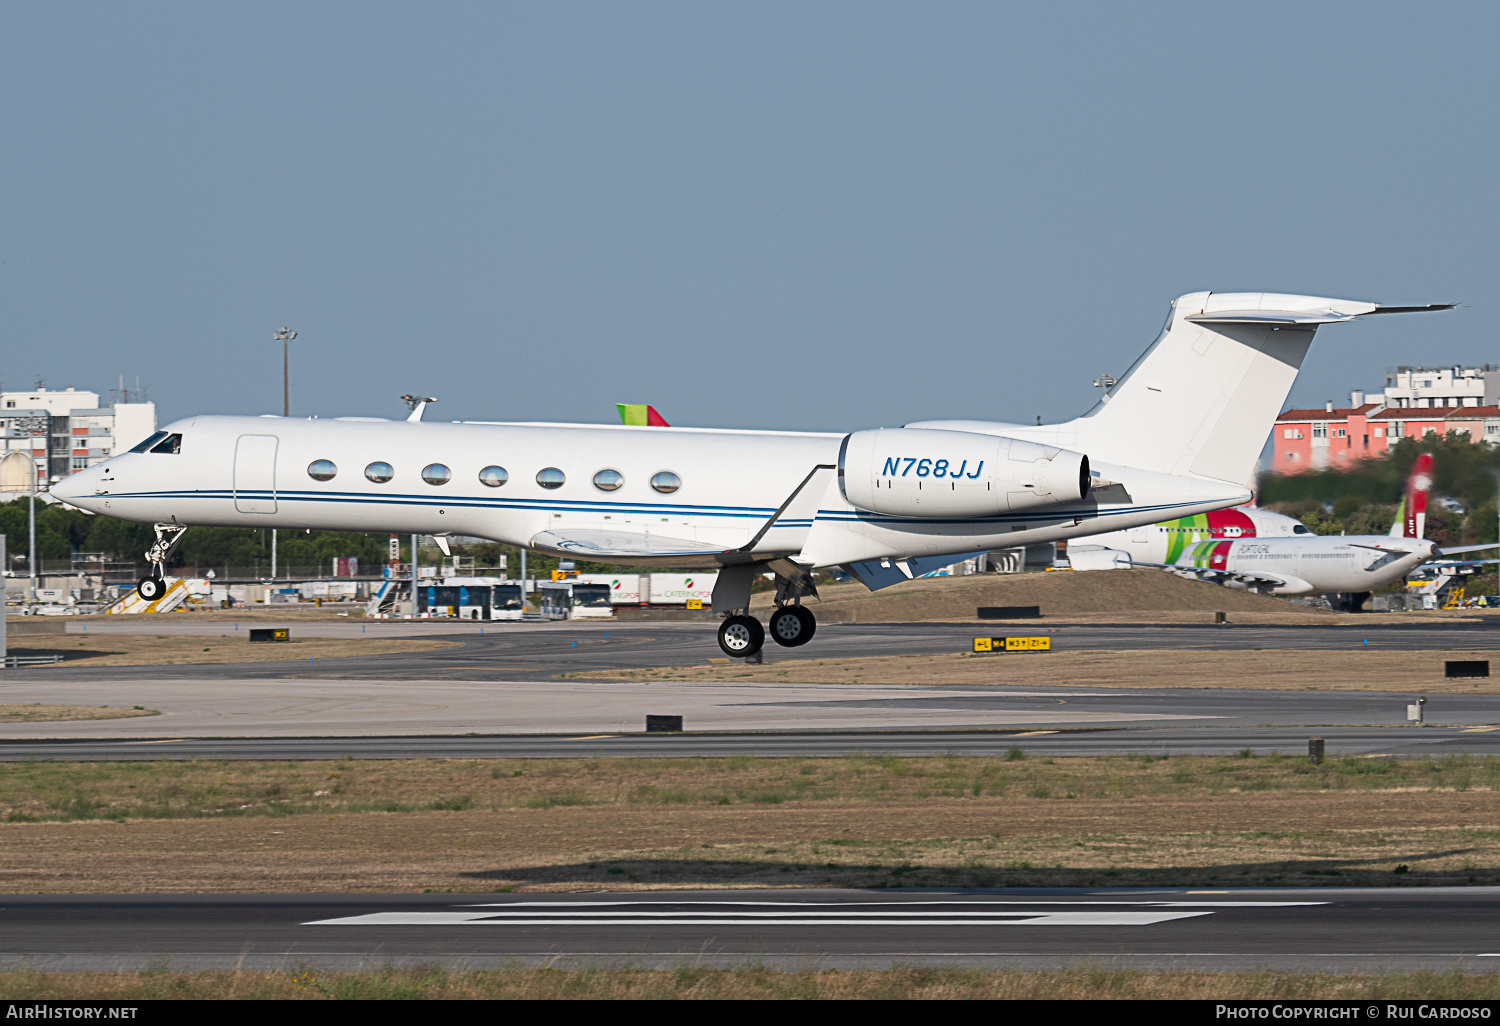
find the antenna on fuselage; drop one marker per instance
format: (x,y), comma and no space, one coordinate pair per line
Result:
(416,404)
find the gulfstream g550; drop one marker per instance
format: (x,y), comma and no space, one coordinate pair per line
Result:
(1178,435)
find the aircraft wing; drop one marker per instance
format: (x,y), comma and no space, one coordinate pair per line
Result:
(779,534)
(1453,550)
(1203,573)
(604,546)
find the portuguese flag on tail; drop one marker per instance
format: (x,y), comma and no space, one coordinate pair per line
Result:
(641,415)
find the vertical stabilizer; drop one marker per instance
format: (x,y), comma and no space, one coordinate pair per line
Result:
(1411,517)
(1202,399)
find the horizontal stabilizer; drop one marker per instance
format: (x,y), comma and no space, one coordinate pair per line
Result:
(1453,550)
(1329,313)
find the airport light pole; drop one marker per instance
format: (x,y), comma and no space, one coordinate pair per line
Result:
(31,556)
(284,336)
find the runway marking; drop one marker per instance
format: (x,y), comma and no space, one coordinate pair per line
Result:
(1478,730)
(747,913)
(591,737)
(1034,733)
(163,741)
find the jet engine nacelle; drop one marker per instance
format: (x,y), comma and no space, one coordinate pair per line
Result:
(933,473)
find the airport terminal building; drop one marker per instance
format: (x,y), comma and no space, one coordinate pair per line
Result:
(66,431)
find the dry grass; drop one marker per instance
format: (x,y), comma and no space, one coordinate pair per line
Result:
(1358,668)
(688,982)
(230,647)
(1114,596)
(475,825)
(37,712)
(197,789)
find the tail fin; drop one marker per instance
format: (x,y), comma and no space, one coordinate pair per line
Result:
(641,415)
(1203,397)
(1411,517)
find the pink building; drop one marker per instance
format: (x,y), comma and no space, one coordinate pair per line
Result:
(1315,439)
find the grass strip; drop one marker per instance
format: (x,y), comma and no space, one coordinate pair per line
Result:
(56,791)
(1355,668)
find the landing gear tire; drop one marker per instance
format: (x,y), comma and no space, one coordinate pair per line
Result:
(791,626)
(741,636)
(151,588)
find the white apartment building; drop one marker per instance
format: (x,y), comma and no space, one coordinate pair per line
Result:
(1429,387)
(68,430)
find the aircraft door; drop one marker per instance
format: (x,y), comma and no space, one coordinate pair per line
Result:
(255,474)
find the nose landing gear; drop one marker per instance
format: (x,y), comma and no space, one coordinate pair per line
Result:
(168,537)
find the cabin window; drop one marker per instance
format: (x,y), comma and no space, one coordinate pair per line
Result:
(550,477)
(171,445)
(321,470)
(380,472)
(149,442)
(666,482)
(436,474)
(608,480)
(493,476)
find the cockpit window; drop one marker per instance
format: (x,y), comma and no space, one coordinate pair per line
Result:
(171,444)
(148,443)
(1301,529)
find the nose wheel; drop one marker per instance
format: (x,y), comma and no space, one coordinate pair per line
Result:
(791,626)
(741,636)
(151,588)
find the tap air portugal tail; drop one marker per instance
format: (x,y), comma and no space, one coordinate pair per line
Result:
(641,415)
(1202,398)
(1411,516)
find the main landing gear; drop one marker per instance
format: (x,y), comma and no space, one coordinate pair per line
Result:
(741,636)
(168,537)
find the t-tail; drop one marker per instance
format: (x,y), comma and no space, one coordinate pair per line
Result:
(1411,516)
(1202,398)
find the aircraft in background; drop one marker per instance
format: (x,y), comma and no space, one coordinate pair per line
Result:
(1176,436)
(1257,550)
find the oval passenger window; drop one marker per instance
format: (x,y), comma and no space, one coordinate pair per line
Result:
(608,480)
(379,472)
(493,476)
(666,482)
(436,474)
(321,470)
(550,478)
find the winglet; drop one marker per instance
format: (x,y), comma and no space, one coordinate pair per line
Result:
(640,415)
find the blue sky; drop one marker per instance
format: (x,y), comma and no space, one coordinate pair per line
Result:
(825,216)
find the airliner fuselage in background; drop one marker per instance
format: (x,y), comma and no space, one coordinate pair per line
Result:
(1177,436)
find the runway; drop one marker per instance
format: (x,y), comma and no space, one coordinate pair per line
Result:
(500,685)
(1339,741)
(511,651)
(319,706)
(1337,929)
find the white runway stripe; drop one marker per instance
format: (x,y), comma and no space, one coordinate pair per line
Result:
(659,919)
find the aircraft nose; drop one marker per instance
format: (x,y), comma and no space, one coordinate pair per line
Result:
(77,489)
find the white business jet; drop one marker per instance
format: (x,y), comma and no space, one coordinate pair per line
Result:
(1178,435)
